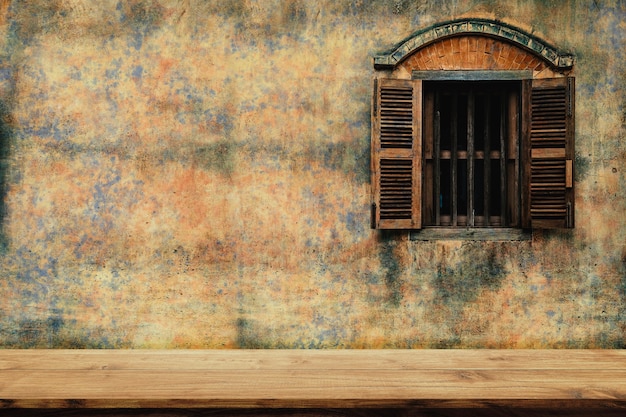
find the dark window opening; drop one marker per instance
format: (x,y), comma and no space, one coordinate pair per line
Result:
(472,174)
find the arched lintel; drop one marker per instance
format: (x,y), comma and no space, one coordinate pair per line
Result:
(484,27)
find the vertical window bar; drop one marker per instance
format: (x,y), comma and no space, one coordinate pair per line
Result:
(503,181)
(453,154)
(487,159)
(437,156)
(513,159)
(470,159)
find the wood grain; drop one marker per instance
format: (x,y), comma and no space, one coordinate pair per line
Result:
(312,378)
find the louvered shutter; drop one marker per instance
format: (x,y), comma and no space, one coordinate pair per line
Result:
(549,153)
(396,154)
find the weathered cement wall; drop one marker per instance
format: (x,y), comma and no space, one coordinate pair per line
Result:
(196,174)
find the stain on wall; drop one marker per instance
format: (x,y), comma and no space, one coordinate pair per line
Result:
(5,155)
(183,174)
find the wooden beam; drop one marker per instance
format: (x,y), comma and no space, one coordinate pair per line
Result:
(471,75)
(491,234)
(313,378)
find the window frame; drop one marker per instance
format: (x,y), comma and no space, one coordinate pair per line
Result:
(529,217)
(503,96)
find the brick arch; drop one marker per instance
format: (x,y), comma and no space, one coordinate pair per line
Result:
(485,44)
(472,52)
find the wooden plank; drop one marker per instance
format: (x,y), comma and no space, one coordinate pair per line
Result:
(525,152)
(461,407)
(470,158)
(307,378)
(428,151)
(392,359)
(503,152)
(548,153)
(569,173)
(428,129)
(487,411)
(416,205)
(454,166)
(321,387)
(427,193)
(513,157)
(569,146)
(473,234)
(471,75)
(487,160)
(437,165)
(374,149)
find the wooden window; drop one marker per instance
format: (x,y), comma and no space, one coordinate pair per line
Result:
(473,154)
(548,143)
(396,147)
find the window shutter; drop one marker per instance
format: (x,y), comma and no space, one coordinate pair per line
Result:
(396,154)
(548,200)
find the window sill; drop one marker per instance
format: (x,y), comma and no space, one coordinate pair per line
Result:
(483,234)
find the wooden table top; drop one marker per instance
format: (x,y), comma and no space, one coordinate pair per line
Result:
(313,378)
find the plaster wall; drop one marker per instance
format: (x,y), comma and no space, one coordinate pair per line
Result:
(186,174)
